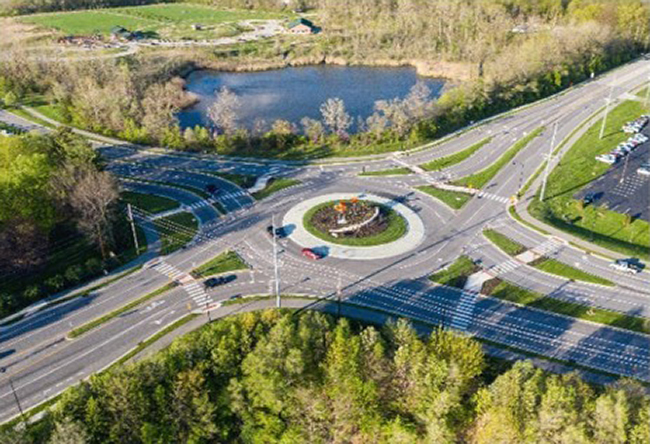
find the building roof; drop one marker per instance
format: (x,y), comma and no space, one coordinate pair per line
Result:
(118,30)
(300,21)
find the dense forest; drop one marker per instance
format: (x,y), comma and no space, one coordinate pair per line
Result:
(510,52)
(304,377)
(57,207)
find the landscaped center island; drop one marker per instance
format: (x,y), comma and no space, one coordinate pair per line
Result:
(355,222)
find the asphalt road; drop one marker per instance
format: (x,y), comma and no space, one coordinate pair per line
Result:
(41,362)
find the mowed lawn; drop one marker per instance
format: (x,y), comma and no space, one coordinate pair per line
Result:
(173,19)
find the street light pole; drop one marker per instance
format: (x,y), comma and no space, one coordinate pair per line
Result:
(135,236)
(548,163)
(338,297)
(13,390)
(607,105)
(275,264)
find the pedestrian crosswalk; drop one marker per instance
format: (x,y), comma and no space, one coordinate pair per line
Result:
(464,311)
(504,267)
(494,197)
(548,247)
(193,288)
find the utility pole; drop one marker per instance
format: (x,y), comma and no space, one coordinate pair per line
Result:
(207,310)
(135,236)
(548,163)
(275,264)
(647,94)
(13,390)
(607,105)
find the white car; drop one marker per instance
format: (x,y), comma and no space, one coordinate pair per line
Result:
(607,158)
(643,171)
(625,266)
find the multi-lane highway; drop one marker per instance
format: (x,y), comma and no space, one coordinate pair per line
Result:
(41,361)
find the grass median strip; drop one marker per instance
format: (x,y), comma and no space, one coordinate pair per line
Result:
(149,202)
(546,264)
(115,313)
(456,274)
(391,172)
(223,263)
(176,231)
(453,199)
(274,186)
(453,159)
(480,179)
(513,293)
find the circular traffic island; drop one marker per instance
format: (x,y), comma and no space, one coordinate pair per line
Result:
(355,222)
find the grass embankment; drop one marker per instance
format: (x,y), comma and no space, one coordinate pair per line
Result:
(199,192)
(509,292)
(396,228)
(453,199)
(578,167)
(274,186)
(223,263)
(149,202)
(115,313)
(391,172)
(546,264)
(480,179)
(456,274)
(453,159)
(176,231)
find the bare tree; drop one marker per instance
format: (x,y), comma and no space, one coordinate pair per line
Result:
(335,117)
(376,123)
(418,102)
(313,129)
(92,197)
(160,106)
(223,112)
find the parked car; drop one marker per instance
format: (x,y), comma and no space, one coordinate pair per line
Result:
(589,198)
(607,158)
(212,188)
(219,280)
(626,266)
(643,171)
(311,254)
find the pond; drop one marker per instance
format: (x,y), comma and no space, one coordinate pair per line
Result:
(293,93)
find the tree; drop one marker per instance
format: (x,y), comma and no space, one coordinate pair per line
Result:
(313,129)
(68,432)
(335,117)
(224,111)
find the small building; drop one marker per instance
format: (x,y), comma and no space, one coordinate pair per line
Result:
(197,26)
(121,33)
(302,26)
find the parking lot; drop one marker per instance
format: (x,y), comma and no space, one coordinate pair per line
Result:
(629,195)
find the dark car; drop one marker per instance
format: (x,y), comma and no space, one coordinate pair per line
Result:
(589,198)
(219,280)
(280,233)
(212,188)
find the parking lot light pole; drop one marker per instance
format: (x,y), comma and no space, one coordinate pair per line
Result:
(548,164)
(607,105)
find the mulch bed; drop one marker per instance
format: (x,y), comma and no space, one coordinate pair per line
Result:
(326,219)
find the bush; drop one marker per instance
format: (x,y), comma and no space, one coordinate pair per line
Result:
(32,292)
(93,266)
(55,283)
(74,274)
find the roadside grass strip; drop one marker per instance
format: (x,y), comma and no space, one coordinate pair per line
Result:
(242,180)
(223,263)
(480,179)
(506,244)
(545,264)
(199,192)
(149,202)
(103,319)
(577,168)
(391,172)
(176,231)
(453,159)
(153,338)
(513,293)
(274,186)
(453,199)
(456,274)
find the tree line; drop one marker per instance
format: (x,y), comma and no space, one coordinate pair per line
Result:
(287,377)
(54,196)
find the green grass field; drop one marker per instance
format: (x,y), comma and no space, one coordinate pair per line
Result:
(223,263)
(391,172)
(453,159)
(506,244)
(170,20)
(176,231)
(453,199)
(149,202)
(577,168)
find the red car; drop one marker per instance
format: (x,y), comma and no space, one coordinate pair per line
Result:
(311,254)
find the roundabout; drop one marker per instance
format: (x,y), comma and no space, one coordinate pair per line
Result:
(354,226)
